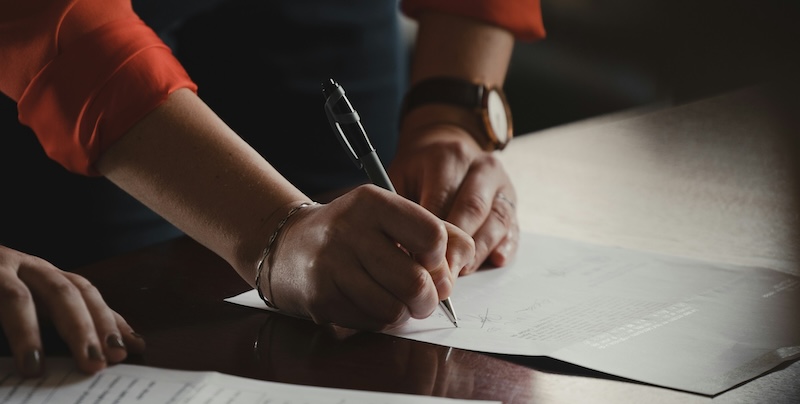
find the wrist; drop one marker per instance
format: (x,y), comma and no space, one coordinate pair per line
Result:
(480,109)
(416,127)
(250,241)
(263,278)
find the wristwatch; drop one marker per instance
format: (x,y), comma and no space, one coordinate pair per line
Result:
(489,104)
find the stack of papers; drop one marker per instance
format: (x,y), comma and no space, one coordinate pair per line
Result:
(691,325)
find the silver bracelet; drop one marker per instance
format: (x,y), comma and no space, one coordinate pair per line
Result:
(265,254)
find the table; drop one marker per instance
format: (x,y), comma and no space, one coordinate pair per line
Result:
(714,179)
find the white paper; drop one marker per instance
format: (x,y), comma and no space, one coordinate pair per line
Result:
(669,321)
(124,384)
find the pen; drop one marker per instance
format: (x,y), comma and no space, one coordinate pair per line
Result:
(351,134)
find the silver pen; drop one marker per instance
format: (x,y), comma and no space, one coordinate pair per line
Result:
(351,134)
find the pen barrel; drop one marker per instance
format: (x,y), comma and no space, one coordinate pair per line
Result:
(375,172)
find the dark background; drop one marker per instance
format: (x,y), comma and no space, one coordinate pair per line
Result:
(605,56)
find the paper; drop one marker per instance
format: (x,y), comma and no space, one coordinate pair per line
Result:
(122,384)
(680,323)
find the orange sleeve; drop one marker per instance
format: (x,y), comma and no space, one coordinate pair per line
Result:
(83,72)
(522,17)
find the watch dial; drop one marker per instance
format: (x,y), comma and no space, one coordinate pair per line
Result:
(497,116)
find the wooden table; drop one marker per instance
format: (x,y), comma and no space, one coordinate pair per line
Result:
(715,179)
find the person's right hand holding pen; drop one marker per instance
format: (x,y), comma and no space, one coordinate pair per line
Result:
(339,263)
(346,123)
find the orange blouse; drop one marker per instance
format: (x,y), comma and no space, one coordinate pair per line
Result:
(83,72)
(522,17)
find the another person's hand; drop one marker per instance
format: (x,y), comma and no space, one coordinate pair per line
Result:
(342,262)
(445,171)
(32,289)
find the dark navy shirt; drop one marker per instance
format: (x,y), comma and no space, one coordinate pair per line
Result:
(260,64)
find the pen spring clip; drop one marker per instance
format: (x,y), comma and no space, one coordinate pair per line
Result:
(334,119)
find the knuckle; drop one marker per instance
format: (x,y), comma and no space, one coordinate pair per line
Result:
(368,191)
(83,285)
(440,199)
(488,162)
(504,215)
(476,205)
(61,288)
(436,234)
(369,197)
(491,161)
(459,150)
(14,294)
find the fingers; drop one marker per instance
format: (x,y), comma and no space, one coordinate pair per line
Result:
(68,311)
(475,198)
(460,183)
(370,259)
(507,248)
(496,241)
(95,334)
(134,343)
(358,304)
(103,319)
(440,247)
(344,292)
(18,318)
(460,250)
(485,208)
(442,178)
(410,283)
(365,306)
(420,232)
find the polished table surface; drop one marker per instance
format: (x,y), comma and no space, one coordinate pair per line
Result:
(714,179)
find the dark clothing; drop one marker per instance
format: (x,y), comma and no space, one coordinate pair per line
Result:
(259,65)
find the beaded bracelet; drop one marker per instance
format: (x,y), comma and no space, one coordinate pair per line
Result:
(265,254)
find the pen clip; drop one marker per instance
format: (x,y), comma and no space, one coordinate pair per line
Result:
(333,118)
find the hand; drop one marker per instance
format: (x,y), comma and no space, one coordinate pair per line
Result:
(95,334)
(443,169)
(346,263)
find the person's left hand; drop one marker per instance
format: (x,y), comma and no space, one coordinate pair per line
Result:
(443,169)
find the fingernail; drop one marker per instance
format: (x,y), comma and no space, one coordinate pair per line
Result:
(136,335)
(32,363)
(115,341)
(95,354)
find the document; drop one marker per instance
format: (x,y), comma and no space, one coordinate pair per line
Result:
(123,384)
(691,325)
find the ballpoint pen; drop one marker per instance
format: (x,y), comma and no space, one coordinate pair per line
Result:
(346,123)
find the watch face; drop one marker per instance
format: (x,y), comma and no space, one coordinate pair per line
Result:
(498,119)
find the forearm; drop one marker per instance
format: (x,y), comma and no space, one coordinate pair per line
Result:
(462,47)
(454,46)
(188,166)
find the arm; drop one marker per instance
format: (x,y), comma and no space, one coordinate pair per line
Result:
(335,263)
(438,162)
(138,122)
